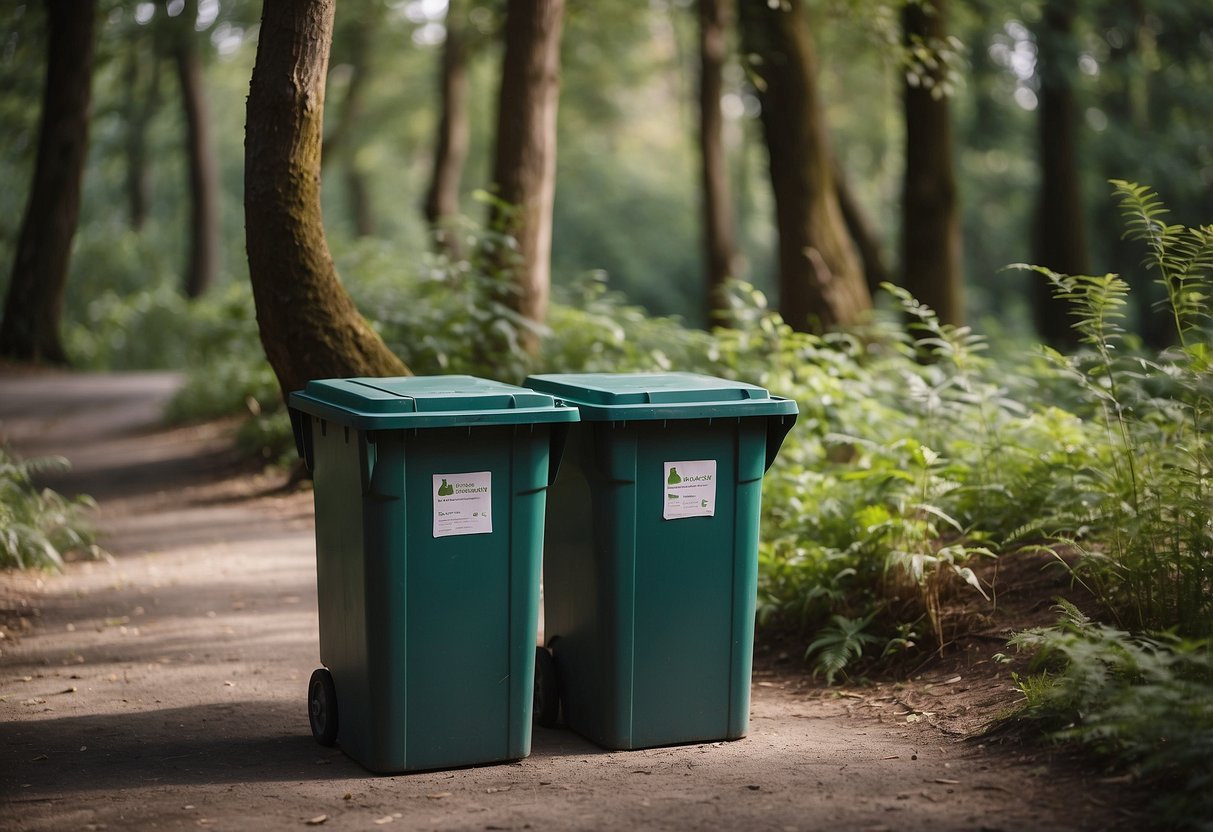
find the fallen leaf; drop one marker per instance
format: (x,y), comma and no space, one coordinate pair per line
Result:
(438,795)
(229,684)
(945,781)
(495,789)
(383,820)
(347,796)
(316,821)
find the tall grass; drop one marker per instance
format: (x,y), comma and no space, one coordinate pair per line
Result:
(38,527)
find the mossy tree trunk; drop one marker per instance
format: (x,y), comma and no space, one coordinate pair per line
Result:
(524,168)
(720,240)
(821,282)
(309,326)
(930,209)
(33,306)
(1059,239)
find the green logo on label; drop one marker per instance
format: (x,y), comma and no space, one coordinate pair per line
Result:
(445,490)
(674,479)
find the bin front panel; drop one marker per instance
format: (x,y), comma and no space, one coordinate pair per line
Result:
(653,618)
(430,639)
(685,619)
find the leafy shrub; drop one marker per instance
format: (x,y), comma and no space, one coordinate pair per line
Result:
(38,526)
(1145,702)
(1147,505)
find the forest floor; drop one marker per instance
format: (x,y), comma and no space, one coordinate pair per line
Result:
(164,687)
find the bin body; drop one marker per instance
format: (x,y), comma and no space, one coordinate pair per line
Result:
(428,614)
(650,564)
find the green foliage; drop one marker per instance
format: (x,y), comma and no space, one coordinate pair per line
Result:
(839,644)
(39,526)
(1148,508)
(1146,702)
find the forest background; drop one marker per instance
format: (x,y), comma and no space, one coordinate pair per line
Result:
(921,450)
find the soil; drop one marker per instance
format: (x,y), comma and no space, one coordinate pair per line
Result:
(164,687)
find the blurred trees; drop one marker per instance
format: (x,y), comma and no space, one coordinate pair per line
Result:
(1060,236)
(203,260)
(524,166)
(451,144)
(631,197)
(821,283)
(720,247)
(930,203)
(33,304)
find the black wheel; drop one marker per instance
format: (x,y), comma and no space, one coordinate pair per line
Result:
(322,707)
(547,690)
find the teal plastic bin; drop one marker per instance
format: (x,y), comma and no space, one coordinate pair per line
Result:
(430,496)
(650,565)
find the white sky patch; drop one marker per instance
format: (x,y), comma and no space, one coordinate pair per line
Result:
(144,12)
(208,13)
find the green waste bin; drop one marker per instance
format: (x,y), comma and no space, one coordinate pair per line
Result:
(650,564)
(430,496)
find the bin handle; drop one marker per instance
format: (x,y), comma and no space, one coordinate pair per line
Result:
(301,426)
(556,442)
(777,431)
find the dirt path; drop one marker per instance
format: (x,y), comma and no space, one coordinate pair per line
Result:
(165,689)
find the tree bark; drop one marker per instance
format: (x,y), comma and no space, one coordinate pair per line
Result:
(34,304)
(203,262)
(720,242)
(309,326)
(451,148)
(1060,240)
(821,283)
(524,168)
(931,241)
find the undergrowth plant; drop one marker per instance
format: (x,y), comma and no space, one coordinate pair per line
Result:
(38,527)
(1140,691)
(1150,559)
(1145,702)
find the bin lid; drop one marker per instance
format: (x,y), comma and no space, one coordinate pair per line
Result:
(427,402)
(631,396)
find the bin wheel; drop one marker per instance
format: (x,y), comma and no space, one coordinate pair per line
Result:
(547,689)
(322,707)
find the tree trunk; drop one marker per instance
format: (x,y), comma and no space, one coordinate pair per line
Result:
(867,243)
(308,323)
(142,81)
(203,262)
(1060,240)
(524,168)
(821,284)
(34,304)
(930,245)
(720,244)
(451,148)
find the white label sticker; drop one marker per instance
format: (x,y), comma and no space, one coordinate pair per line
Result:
(690,489)
(463,503)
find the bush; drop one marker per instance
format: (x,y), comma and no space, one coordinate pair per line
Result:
(1145,702)
(39,527)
